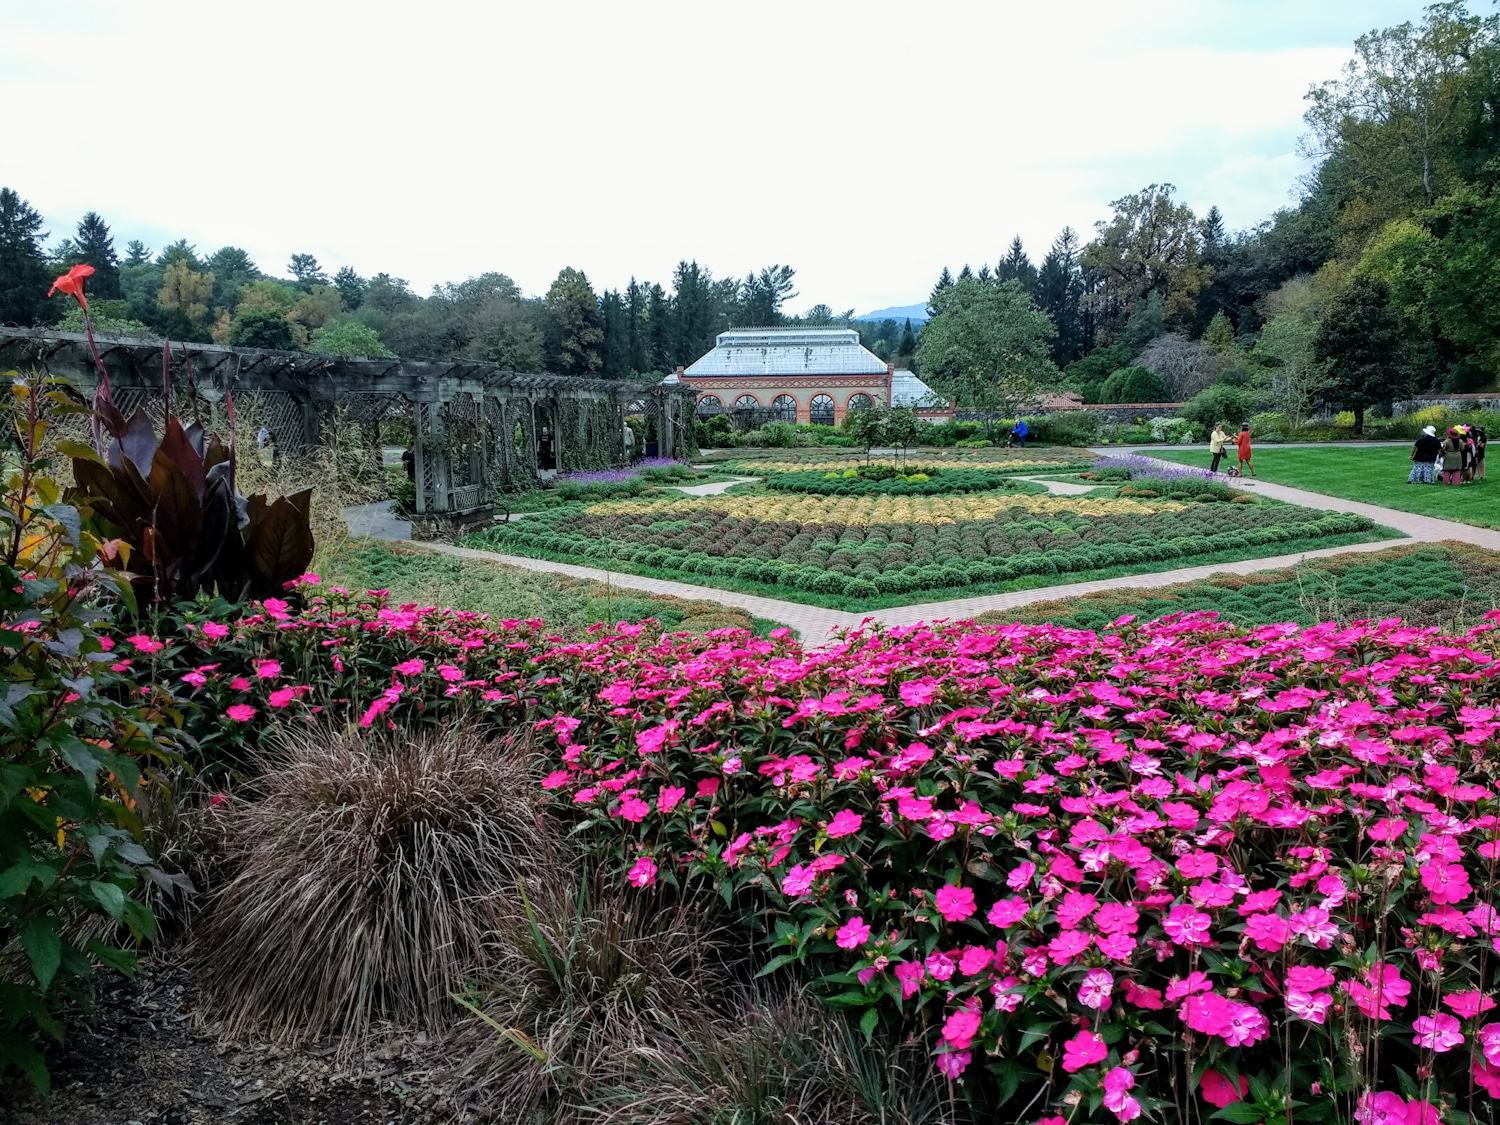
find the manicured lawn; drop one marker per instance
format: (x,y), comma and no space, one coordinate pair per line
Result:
(1372,475)
(568,605)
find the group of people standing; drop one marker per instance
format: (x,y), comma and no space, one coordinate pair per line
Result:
(1458,456)
(1220,438)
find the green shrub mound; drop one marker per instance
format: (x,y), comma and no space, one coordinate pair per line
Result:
(882,480)
(898,559)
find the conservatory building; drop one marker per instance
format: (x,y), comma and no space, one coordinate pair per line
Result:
(806,375)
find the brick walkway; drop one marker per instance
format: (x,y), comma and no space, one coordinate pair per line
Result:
(814,624)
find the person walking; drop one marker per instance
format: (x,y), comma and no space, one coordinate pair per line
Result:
(1424,452)
(1216,443)
(1242,445)
(1453,457)
(1481,439)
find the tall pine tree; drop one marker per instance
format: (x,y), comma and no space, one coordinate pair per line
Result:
(1016,266)
(1058,291)
(23,265)
(95,247)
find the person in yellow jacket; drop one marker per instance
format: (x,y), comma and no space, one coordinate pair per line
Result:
(1216,442)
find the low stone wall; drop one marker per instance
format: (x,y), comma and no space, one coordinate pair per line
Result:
(1456,403)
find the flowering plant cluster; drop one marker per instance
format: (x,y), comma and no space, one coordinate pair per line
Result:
(1112,874)
(881,481)
(1131,466)
(868,547)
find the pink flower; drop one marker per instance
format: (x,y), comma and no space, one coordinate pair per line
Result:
(643,874)
(267,669)
(215,631)
(1309,1006)
(1384,1108)
(956,903)
(1439,1032)
(853,933)
(412,667)
(1219,1091)
(798,881)
(1446,882)
(1148,998)
(910,974)
(555,780)
(1116,918)
(282,697)
(145,644)
(1246,1025)
(1186,926)
(951,1064)
(732,766)
(1116,1099)
(1385,829)
(668,797)
(1487,1076)
(845,823)
(1383,986)
(1084,1049)
(1468,1004)
(1095,990)
(975,959)
(1007,912)
(1207,1012)
(1313,926)
(1021,876)
(960,1028)
(1268,931)
(633,809)
(240,712)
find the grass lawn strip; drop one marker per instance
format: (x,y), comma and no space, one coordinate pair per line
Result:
(1372,475)
(938,593)
(568,605)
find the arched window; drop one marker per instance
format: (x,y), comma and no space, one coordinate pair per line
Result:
(788,407)
(821,410)
(710,404)
(860,402)
(746,402)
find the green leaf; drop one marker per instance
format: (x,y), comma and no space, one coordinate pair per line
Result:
(121,960)
(15,880)
(1247,1113)
(43,949)
(777,962)
(77,753)
(868,1021)
(16,1051)
(67,516)
(111,898)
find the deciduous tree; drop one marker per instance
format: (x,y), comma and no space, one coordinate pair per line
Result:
(988,348)
(1151,245)
(576,335)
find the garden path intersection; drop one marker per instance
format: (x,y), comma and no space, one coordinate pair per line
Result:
(815,624)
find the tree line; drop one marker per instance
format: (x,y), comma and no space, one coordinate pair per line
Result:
(1395,240)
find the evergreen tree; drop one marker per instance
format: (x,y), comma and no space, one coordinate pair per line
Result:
(180,251)
(1058,291)
(351,287)
(636,330)
(233,270)
(659,330)
(966,274)
(306,271)
(1016,266)
(1360,342)
(23,266)
(576,333)
(984,272)
(908,343)
(762,295)
(95,247)
(615,350)
(137,253)
(935,298)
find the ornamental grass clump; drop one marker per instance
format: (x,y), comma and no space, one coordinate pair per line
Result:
(363,878)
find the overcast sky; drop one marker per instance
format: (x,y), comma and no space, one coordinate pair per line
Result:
(868,144)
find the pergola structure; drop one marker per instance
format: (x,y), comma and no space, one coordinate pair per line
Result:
(475,429)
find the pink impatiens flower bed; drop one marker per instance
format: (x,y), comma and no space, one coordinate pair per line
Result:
(1107,875)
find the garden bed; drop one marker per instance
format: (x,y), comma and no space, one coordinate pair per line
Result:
(881,479)
(861,553)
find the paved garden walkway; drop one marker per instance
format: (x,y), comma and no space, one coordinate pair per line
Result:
(1061,487)
(713,489)
(814,624)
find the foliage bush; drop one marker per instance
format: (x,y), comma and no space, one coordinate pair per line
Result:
(933,482)
(1071,427)
(81,748)
(363,880)
(1134,384)
(1221,403)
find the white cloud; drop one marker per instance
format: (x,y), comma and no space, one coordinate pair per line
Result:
(867,144)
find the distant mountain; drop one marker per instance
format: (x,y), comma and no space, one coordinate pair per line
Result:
(916,313)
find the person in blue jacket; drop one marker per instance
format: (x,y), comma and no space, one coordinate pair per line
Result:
(1018,435)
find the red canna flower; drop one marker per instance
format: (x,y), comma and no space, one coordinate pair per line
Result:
(71,283)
